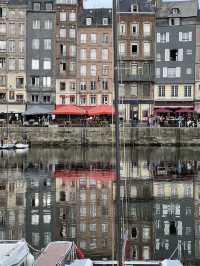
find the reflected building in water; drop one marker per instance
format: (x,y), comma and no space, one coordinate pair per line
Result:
(84,207)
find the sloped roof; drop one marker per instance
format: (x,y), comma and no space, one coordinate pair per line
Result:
(97,16)
(143,5)
(188,8)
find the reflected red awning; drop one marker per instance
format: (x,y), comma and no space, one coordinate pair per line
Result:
(73,175)
(68,110)
(184,110)
(101,110)
(162,110)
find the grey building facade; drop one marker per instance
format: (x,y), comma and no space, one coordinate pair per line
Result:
(41,52)
(175,54)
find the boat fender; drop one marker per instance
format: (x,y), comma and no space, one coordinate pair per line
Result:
(30,260)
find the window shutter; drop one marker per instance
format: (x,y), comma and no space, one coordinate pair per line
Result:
(180,54)
(164,72)
(190,36)
(178,72)
(158,37)
(166,54)
(180,36)
(180,228)
(167,36)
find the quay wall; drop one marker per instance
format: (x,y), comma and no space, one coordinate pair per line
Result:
(49,136)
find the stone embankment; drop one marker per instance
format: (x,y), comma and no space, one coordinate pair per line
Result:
(45,136)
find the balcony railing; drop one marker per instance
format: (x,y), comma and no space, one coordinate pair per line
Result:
(128,77)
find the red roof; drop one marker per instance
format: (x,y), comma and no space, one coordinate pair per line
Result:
(184,110)
(101,110)
(69,110)
(162,110)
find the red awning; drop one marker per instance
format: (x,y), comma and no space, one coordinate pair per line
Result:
(162,110)
(69,110)
(101,110)
(184,110)
(75,175)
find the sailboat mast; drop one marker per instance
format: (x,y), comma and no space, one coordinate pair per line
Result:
(117,137)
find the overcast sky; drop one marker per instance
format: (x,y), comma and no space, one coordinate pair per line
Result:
(102,3)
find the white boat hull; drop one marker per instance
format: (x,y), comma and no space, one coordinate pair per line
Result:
(7,146)
(21,146)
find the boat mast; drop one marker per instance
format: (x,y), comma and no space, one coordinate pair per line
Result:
(117,137)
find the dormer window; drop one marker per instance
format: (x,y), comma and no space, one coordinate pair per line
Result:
(36,6)
(174,21)
(134,8)
(175,11)
(105,21)
(88,21)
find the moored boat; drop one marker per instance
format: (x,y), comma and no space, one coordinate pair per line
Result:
(7,146)
(15,252)
(21,146)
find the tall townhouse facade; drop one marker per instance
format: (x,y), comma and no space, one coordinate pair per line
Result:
(175,54)
(136,58)
(12,56)
(41,53)
(66,50)
(95,58)
(197,68)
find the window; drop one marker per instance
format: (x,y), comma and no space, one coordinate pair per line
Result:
(83,38)
(93,227)
(48,25)
(82,227)
(93,99)
(93,37)
(62,86)
(147,29)
(122,48)
(72,33)
(188,71)
(83,70)
(48,6)
(82,99)
(11,95)
(134,232)
(47,64)
(171,72)
(21,47)
(35,64)
(105,54)
(2,28)
(36,24)
(157,72)
(134,29)
(35,81)
(105,38)
(62,33)
(36,6)
(174,55)
(12,28)
(161,92)
(11,46)
(63,16)
(46,217)
(35,239)
(35,219)
(134,8)
(104,99)
(21,29)
(2,80)
(174,21)
(47,44)
(11,64)
(62,66)
(104,84)
(35,44)
(93,54)
(163,37)
(72,86)
(19,82)
(134,48)
(83,85)
(172,228)
(72,50)
(2,63)
(93,70)
(88,21)
(47,82)
(146,233)
(147,49)
(122,29)
(72,16)
(105,70)
(175,11)
(35,98)
(2,46)
(93,85)
(146,253)
(63,49)
(174,91)
(185,36)
(187,91)
(134,68)
(3,12)
(188,52)
(105,21)
(158,57)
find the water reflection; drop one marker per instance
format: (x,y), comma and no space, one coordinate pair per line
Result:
(57,194)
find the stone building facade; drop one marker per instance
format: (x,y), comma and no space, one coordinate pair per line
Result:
(136,59)
(12,56)
(41,53)
(175,55)
(67,15)
(95,58)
